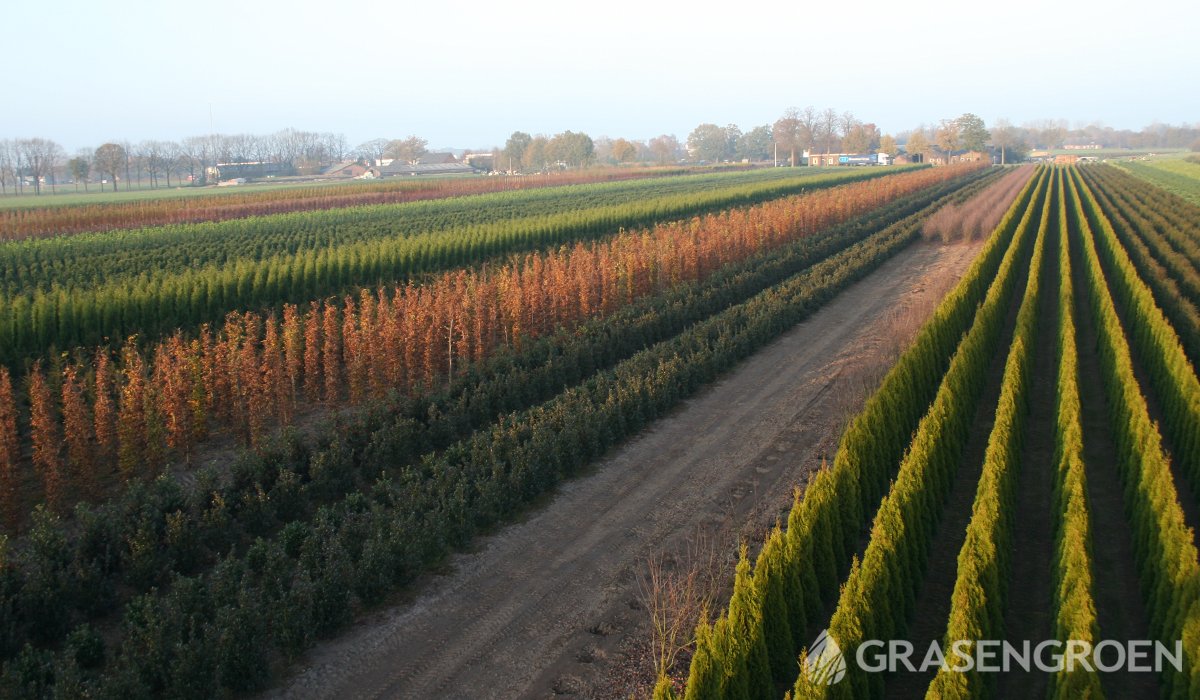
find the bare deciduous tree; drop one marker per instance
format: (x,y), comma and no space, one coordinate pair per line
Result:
(408,150)
(787,133)
(827,126)
(948,137)
(372,150)
(8,166)
(917,144)
(110,159)
(676,591)
(665,148)
(149,155)
(887,144)
(810,122)
(197,152)
(79,167)
(623,151)
(38,158)
(1007,138)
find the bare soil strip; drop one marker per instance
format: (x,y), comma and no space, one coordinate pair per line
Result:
(550,604)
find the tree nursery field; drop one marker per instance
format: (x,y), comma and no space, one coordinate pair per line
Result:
(230,429)
(1026,470)
(220,443)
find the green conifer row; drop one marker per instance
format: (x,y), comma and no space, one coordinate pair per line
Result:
(797,573)
(1158,348)
(1164,546)
(879,596)
(1074,597)
(981,586)
(1172,277)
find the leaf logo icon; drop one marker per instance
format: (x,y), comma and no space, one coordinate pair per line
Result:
(825,664)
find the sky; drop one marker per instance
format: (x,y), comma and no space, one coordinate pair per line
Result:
(466,73)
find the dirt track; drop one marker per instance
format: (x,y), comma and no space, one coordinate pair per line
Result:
(545,605)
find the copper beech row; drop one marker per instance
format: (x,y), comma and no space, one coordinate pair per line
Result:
(139,409)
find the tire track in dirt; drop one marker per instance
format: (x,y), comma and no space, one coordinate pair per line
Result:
(524,613)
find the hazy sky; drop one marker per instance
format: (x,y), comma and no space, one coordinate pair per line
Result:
(468,73)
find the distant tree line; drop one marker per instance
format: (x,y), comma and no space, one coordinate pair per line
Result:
(1012,143)
(28,164)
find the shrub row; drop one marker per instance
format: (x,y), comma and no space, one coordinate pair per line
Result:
(1172,278)
(1074,568)
(1174,221)
(1175,217)
(159,208)
(1157,344)
(191,287)
(980,594)
(111,256)
(798,572)
(879,595)
(134,542)
(1177,177)
(1164,546)
(219,631)
(254,372)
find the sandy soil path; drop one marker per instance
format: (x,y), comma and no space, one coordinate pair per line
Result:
(543,605)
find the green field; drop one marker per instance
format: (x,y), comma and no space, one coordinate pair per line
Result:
(1175,175)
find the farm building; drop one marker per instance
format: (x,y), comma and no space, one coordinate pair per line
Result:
(398,167)
(482,161)
(830,159)
(348,168)
(249,170)
(436,159)
(937,156)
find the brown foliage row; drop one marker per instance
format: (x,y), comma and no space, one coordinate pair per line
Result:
(978,216)
(42,222)
(255,372)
